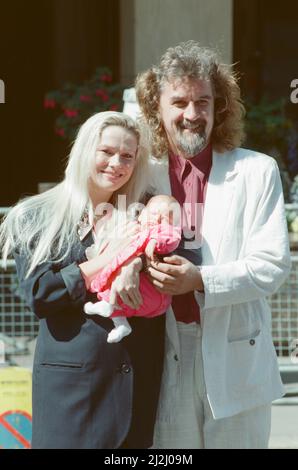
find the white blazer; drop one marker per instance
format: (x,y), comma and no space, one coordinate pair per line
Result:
(245,257)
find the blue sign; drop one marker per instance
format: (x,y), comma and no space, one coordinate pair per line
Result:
(15,430)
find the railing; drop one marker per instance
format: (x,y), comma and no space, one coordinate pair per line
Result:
(284,309)
(18,325)
(16,320)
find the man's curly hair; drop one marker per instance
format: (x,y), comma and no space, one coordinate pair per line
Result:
(190,60)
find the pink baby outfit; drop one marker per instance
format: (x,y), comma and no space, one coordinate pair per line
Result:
(154,303)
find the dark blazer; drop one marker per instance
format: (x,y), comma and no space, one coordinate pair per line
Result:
(88,393)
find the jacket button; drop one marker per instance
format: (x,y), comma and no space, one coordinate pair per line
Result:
(124,368)
(176,357)
(252,342)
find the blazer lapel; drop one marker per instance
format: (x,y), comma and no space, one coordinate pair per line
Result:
(220,191)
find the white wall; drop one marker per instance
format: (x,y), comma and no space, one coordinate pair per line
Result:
(158,24)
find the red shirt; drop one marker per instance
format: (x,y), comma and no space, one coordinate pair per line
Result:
(188,180)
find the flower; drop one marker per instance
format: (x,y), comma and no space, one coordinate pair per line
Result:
(86,98)
(103,94)
(70,113)
(107,77)
(49,103)
(60,132)
(75,103)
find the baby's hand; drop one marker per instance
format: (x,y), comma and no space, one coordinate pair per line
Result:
(150,248)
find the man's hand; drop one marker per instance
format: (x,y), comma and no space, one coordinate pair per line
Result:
(126,285)
(175,276)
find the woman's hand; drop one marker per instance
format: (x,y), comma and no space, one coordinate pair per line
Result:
(126,285)
(149,250)
(111,248)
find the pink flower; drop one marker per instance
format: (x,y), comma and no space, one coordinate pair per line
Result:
(102,93)
(106,78)
(49,103)
(60,132)
(114,107)
(70,113)
(85,98)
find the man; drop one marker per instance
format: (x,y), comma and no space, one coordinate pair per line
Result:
(221,372)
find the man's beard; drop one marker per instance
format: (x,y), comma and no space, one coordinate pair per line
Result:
(191,143)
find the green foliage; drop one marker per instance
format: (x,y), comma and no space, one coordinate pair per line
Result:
(292,220)
(75,103)
(267,126)
(292,209)
(269,130)
(294,191)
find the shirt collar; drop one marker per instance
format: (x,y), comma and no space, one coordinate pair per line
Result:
(202,161)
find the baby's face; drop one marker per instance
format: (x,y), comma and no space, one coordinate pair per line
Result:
(155,214)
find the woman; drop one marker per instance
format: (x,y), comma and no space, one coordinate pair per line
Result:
(78,377)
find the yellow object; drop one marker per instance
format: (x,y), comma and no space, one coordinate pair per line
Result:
(15,408)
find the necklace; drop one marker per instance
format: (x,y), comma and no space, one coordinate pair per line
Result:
(84,226)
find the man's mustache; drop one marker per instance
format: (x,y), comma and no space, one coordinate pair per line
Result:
(200,125)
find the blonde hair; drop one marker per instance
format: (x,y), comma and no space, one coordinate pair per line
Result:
(44,226)
(190,60)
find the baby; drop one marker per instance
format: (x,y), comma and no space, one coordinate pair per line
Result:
(159,234)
